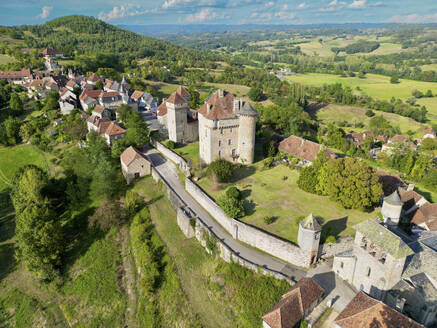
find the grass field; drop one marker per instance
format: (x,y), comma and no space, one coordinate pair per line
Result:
(4,59)
(12,158)
(223,295)
(335,113)
(377,86)
(430,67)
(274,192)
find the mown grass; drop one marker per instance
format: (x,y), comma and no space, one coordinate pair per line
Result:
(274,192)
(223,295)
(4,59)
(12,158)
(350,114)
(377,86)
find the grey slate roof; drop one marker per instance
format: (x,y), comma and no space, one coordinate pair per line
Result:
(311,223)
(384,238)
(393,199)
(247,109)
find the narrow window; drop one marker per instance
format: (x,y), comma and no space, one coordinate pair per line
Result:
(220,143)
(221,131)
(229,142)
(220,153)
(341,265)
(368,272)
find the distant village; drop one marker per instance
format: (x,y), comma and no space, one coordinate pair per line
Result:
(393,274)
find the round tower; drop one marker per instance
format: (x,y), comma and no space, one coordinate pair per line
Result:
(246,132)
(392,208)
(308,236)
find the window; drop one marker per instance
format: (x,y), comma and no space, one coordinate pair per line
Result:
(220,153)
(229,142)
(341,265)
(221,131)
(368,272)
(233,152)
(220,143)
(231,130)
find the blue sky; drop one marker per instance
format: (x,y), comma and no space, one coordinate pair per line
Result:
(222,11)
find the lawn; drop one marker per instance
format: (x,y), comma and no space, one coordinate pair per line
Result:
(335,113)
(190,151)
(4,59)
(12,158)
(274,192)
(377,86)
(222,295)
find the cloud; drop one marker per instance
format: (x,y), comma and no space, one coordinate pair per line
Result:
(358,4)
(201,16)
(302,5)
(414,18)
(284,13)
(269,4)
(123,11)
(181,4)
(335,5)
(45,12)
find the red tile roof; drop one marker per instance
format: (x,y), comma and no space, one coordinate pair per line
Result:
(427,213)
(399,138)
(183,92)
(99,109)
(291,308)
(15,74)
(71,83)
(93,77)
(114,129)
(221,106)
(137,94)
(366,312)
(162,109)
(177,99)
(429,131)
(302,148)
(51,52)
(90,93)
(129,155)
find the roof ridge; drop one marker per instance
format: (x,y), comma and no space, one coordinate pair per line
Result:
(365,310)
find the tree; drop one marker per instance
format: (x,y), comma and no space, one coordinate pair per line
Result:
(308,179)
(370,113)
(15,103)
(269,148)
(429,94)
(417,94)
(231,203)
(394,79)
(429,144)
(222,169)
(99,85)
(256,93)
(351,182)
(38,233)
(10,131)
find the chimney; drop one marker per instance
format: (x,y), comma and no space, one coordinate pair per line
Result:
(220,93)
(410,187)
(208,108)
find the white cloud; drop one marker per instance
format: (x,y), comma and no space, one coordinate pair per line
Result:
(358,4)
(284,13)
(302,5)
(45,12)
(269,4)
(201,16)
(180,4)
(414,18)
(123,11)
(333,3)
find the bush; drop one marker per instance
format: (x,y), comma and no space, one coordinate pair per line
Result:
(370,113)
(222,169)
(233,207)
(170,144)
(268,163)
(331,239)
(269,219)
(233,192)
(394,79)
(269,149)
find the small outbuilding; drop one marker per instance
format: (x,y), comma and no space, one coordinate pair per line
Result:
(134,164)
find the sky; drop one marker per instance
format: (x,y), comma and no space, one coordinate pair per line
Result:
(146,12)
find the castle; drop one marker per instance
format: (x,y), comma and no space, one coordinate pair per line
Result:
(226,129)
(176,120)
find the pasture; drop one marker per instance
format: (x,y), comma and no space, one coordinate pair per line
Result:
(5,59)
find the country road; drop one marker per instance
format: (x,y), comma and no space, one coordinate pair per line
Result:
(168,171)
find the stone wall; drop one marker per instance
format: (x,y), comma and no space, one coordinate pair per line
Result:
(184,220)
(248,234)
(343,244)
(172,156)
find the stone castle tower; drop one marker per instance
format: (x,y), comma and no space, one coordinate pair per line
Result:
(392,208)
(226,129)
(308,236)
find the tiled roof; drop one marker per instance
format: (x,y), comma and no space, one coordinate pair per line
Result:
(429,131)
(137,94)
(409,197)
(90,93)
(129,155)
(393,199)
(221,106)
(176,99)
(291,308)
(108,94)
(99,109)
(427,213)
(71,83)
(302,148)
(114,129)
(162,109)
(50,52)
(384,238)
(183,92)
(366,312)
(15,74)
(93,77)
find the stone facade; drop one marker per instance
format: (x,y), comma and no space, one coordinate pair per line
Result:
(226,129)
(134,164)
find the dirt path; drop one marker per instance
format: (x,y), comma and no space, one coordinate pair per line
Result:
(128,279)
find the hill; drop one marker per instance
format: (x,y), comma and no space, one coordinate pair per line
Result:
(84,35)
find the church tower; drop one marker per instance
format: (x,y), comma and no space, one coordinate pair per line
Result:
(308,236)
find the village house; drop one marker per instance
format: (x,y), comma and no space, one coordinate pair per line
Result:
(134,164)
(294,305)
(144,100)
(71,84)
(38,88)
(89,98)
(226,129)
(398,141)
(303,149)
(429,133)
(67,101)
(101,112)
(366,312)
(176,120)
(111,131)
(17,77)
(92,79)
(52,53)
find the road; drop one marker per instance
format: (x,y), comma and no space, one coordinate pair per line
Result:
(168,171)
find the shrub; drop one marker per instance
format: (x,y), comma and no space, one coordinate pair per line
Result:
(222,169)
(268,163)
(370,113)
(233,207)
(170,144)
(269,149)
(269,219)
(394,79)
(331,239)
(233,192)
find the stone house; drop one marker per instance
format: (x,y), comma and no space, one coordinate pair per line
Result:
(111,131)
(89,98)
(396,142)
(101,112)
(366,312)
(134,164)
(71,84)
(52,53)
(295,305)
(303,149)
(17,77)
(226,129)
(92,79)
(176,120)
(144,100)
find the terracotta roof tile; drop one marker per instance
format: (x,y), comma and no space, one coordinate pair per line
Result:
(183,92)
(15,74)
(220,106)
(177,99)
(162,109)
(93,77)
(137,94)
(90,93)
(302,148)
(99,109)
(129,155)
(365,312)
(114,129)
